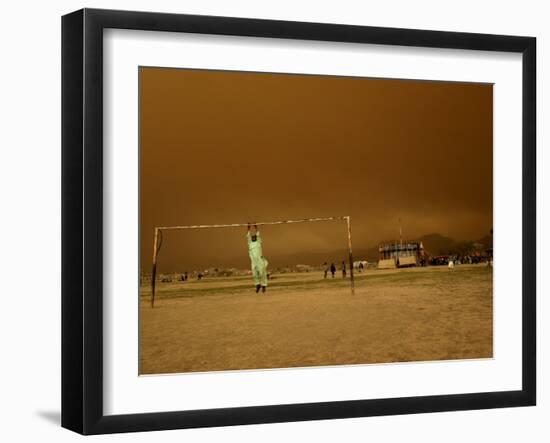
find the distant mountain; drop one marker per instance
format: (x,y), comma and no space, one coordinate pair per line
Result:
(486,241)
(437,244)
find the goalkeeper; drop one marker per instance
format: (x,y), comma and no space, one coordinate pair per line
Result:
(257,261)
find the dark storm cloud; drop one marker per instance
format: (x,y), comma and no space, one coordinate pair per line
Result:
(227,147)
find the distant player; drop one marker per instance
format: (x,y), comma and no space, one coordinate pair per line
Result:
(343,269)
(257,261)
(332,269)
(326,268)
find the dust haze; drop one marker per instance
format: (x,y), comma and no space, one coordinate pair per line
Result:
(231,147)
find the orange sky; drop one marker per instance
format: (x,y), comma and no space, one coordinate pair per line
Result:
(230,147)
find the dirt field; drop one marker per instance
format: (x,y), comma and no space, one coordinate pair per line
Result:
(401,315)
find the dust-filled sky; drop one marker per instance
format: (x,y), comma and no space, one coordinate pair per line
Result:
(231,147)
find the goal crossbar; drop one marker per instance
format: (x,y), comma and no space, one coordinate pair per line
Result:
(238,225)
(157,242)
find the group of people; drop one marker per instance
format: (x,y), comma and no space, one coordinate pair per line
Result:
(332,269)
(442,260)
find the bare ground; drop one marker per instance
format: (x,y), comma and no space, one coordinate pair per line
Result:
(303,320)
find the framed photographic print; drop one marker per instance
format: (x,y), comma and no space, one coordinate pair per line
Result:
(269,221)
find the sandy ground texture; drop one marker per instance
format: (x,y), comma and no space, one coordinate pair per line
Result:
(417,314)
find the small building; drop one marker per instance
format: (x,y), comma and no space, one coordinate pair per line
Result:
(400,254)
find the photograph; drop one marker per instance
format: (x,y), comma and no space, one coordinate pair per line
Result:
(292,220)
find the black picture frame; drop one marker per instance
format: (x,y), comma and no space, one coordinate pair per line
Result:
(82,220)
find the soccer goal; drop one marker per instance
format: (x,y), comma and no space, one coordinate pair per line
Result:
(157,242)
